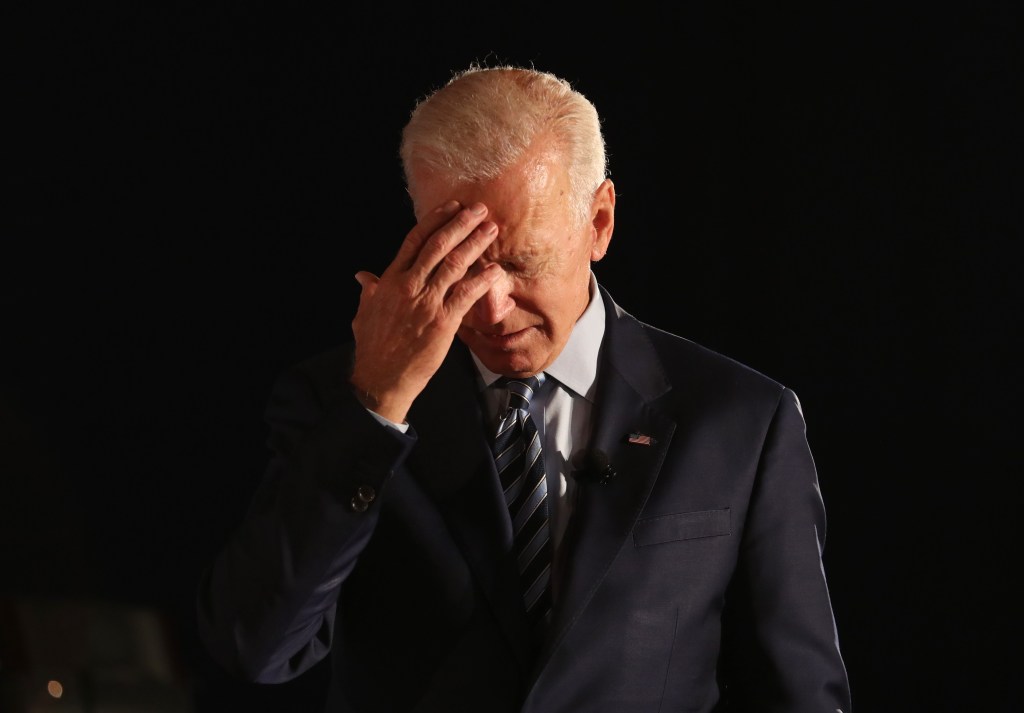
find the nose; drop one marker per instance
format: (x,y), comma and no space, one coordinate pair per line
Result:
(496,304)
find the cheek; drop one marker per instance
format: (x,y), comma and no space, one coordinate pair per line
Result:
(558,293)
(531,296)
(556,302)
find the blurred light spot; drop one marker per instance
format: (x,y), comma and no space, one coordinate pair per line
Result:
(55,689)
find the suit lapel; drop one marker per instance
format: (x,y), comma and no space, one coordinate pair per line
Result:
(631,378)
(452,461)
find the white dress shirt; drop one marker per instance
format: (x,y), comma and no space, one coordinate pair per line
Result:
(562,410)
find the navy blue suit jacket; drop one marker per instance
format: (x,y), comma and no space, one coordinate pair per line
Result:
(694,579)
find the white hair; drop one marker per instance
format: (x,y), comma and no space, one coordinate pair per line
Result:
(485,118)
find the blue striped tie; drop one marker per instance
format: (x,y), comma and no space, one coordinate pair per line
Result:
(520,462)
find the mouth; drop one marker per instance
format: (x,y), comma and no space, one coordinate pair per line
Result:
(504,341)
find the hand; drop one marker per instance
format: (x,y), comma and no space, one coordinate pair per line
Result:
(407,318)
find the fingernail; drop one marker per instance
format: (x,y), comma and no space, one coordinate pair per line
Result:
(449,207)
(478,208)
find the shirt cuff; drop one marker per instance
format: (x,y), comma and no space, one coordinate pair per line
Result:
(403,427)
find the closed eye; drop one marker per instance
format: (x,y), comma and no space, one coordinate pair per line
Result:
(522,268)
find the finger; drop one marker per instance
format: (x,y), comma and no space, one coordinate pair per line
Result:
(421,232)
(467,292)
(367,283)
(457,263)
(365,278)
(446,239)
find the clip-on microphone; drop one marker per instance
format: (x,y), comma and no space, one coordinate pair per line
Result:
(592,466)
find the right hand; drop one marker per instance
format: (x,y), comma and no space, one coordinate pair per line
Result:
(407,318)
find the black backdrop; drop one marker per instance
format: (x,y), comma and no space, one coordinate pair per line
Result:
(829,196)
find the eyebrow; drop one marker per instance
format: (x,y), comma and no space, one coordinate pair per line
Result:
(523,259)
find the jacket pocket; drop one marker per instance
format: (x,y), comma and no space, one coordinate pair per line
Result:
(682,526)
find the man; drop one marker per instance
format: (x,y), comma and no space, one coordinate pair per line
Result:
(666,557)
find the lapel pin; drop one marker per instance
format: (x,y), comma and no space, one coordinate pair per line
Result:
(641,439)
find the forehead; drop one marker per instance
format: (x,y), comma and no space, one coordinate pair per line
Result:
(529,203)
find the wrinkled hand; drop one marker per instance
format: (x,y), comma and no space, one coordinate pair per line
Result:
(407,318)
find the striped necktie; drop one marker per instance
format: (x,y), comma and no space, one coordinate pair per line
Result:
(517,453)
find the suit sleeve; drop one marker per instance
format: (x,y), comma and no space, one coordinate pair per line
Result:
(782,644)
(266,605)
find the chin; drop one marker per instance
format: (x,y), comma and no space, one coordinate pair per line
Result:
(507,363)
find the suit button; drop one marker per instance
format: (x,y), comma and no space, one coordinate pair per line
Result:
(362,499)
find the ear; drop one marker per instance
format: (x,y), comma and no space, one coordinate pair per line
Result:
(602,219)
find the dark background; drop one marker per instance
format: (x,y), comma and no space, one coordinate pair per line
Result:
(830,196)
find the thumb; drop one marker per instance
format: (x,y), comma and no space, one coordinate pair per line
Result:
(366,279)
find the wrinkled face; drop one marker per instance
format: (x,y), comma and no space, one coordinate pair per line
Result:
(521,325)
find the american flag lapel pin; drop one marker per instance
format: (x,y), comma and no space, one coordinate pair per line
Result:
(641,439)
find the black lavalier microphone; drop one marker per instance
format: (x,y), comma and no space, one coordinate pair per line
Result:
(592,466)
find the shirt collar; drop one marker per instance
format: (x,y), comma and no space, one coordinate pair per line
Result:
(576,367)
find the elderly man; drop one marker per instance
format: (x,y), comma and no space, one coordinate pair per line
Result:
(509,494)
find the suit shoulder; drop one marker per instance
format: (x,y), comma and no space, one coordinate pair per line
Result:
(696,363)
(320,378)
(327,364)
(684,361)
